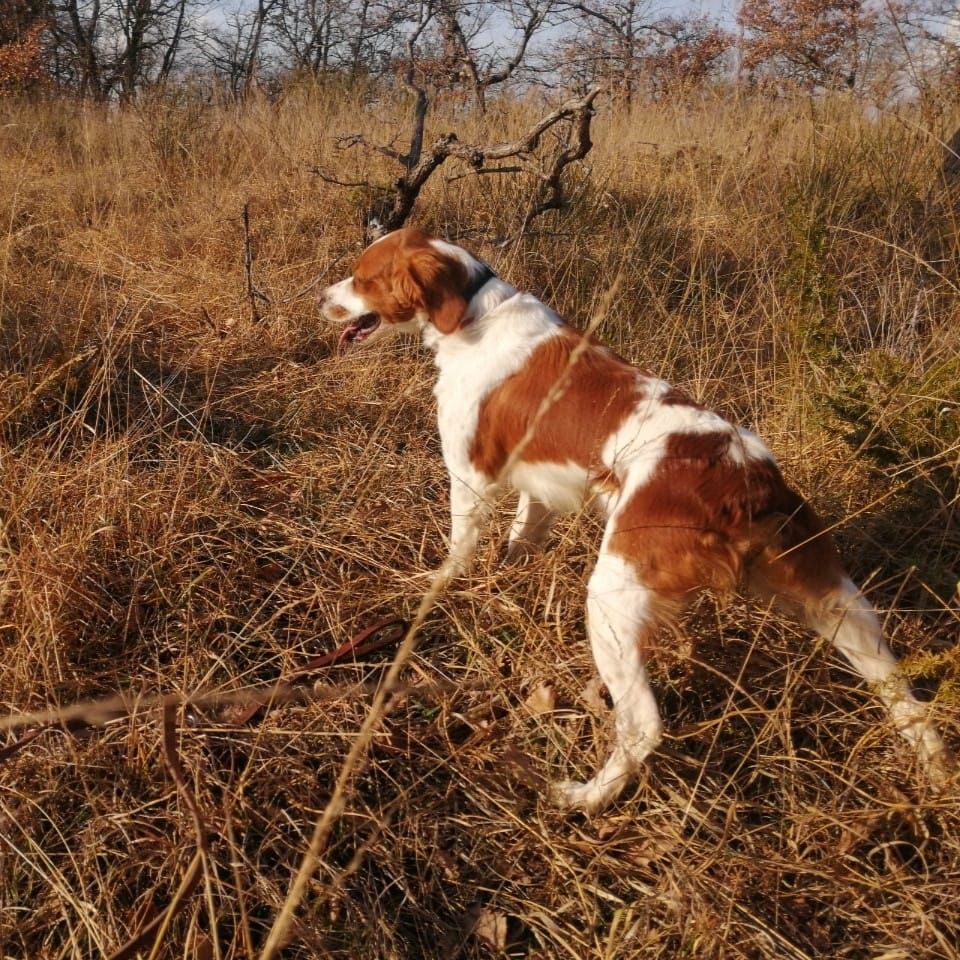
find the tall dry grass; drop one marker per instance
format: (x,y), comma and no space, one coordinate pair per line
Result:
(193,501)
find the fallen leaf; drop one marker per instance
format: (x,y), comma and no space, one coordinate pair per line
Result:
(488,927)
(652,850)
(526,766)
(543,699)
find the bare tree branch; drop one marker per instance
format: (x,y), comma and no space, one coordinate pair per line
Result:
(392,211)
(359,140)
(327,178)
(420,98)
(482,171)
(578,146)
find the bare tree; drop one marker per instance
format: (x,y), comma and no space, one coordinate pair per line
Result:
(309,33)
(928,43)
(485,64)
(77,28)
(572,118)
(442,54)
(173,42)
(148,35)
(627,44)
(104,48)
(251,56)
(352,37)
(611,40)
(234,51)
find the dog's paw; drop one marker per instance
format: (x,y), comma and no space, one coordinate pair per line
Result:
(521,551)
(574,795)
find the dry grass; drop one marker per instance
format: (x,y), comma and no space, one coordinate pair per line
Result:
(193,501)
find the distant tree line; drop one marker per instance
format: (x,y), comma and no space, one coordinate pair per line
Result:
(115,49)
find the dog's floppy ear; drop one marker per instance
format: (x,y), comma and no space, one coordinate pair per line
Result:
(429,281)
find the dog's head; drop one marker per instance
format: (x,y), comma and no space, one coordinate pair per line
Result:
(404,281)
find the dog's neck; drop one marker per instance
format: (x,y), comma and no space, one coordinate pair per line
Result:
(508,327)
(486,293)
(480,277)
(487,296)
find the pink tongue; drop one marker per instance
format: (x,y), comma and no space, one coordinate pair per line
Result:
(345,336)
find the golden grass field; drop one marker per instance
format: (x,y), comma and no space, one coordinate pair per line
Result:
(193,501)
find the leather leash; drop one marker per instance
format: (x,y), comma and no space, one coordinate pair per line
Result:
(375,637)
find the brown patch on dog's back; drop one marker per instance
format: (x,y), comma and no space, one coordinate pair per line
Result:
(600,390)
(675,397)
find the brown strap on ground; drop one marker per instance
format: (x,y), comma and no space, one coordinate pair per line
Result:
(377,635)
(366,641)
(380,634)
(14,748)
(67,726)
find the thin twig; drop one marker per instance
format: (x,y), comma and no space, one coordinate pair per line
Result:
(253,294)
(96,713)
(481,171)
(327,178)
(238,880)
(171,758)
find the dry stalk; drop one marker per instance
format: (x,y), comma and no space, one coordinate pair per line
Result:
(253,293)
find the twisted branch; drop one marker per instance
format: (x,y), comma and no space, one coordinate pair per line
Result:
(393,211)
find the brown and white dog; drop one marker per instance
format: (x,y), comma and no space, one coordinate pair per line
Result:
(690,501)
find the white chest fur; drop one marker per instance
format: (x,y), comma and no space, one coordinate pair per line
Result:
(475,360)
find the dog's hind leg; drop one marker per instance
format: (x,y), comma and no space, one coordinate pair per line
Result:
(621,617)
(809,581)
(849,622)
(530,527)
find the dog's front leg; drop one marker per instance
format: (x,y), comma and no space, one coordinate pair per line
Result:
(529,529)
(469,513)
